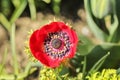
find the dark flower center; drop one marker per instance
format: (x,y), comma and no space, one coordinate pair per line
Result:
(54,47)
(56,43)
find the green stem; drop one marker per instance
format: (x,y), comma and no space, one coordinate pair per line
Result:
(84,67)
(12,39)
(18,11)
(13,77)
(5,22)
(3,61)
(57,74)
(32,9)
(16,3)
(56,6)
(20,76)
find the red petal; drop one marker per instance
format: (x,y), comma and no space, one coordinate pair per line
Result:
(37,49)
(55,27)
(74,40)
(34,42)
(46,60)
(52,27)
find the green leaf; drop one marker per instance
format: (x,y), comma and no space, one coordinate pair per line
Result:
(93,26)
(113,59)
(107,46)
(5,7)
(85,47)
(99,63)
(113,28)
(118,71)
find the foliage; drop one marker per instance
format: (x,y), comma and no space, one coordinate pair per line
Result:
(106,74)
(105,29)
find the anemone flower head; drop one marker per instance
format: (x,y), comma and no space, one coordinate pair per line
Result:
(53,43)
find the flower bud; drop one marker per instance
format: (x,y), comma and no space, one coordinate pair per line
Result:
(101,8)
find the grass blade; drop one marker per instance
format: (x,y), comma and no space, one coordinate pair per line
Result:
(99,63)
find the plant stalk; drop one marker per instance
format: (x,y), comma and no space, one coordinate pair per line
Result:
(32,9)
(84,67)
(12,40)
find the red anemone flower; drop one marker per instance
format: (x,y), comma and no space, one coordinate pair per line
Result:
(53,43)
